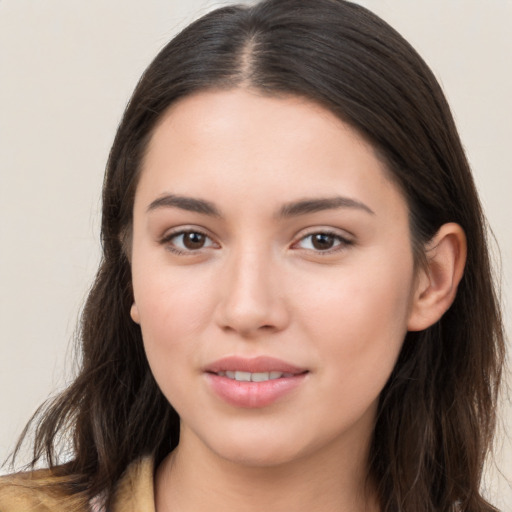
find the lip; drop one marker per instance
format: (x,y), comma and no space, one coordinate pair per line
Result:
(253,365)
(253,394)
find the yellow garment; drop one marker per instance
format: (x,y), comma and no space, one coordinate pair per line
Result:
(30,492)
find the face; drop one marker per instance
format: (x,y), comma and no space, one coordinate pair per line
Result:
(272,274)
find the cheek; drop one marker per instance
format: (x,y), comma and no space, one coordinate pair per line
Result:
(359,323)
(172,310)
(171,301)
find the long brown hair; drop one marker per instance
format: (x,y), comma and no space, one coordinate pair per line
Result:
(437,412)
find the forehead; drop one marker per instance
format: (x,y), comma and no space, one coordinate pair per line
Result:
(243,113)
(241,144)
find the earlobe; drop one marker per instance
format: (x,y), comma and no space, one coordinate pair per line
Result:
(134,313)
(436,284)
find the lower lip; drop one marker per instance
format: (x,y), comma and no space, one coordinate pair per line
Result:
(253,394)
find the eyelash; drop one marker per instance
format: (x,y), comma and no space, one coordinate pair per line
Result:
(167,241)
(342,242)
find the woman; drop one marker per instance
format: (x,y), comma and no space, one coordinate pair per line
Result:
(295,308)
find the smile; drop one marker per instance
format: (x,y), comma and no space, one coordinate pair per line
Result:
(242,376)
(253,382)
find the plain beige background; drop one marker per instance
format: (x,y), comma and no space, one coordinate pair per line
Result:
(67,68)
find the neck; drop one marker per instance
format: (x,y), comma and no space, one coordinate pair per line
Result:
(193,478)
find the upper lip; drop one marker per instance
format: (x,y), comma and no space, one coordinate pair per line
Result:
(258,364)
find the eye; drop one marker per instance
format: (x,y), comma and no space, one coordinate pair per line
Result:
(323,241)
(187,241)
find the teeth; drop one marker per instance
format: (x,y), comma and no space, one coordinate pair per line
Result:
(260,377)
(243,376)
(253,377)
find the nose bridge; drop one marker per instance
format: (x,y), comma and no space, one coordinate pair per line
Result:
(251,298)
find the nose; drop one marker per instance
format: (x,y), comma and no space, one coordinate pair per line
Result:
(252,299)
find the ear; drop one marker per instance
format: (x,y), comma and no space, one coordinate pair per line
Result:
(436,284)
(134,313)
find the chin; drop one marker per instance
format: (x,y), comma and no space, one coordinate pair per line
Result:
(254,448)
(260,456)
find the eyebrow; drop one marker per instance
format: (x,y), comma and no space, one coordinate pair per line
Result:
(305,206)
(292,209)
(185,203)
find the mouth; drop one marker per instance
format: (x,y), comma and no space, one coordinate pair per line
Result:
(255,369)
(253,382)
(242,376)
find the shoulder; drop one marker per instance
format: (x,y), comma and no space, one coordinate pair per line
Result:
(36,491)
(41,491)
(134,491)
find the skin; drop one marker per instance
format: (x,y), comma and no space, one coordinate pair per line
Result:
(259,286)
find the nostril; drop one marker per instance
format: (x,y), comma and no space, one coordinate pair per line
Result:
(250,310)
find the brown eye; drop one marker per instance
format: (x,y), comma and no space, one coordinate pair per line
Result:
(188,241)
(193,240)
(322,241)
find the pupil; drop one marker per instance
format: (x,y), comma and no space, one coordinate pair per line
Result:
(322,241)
(193,240)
